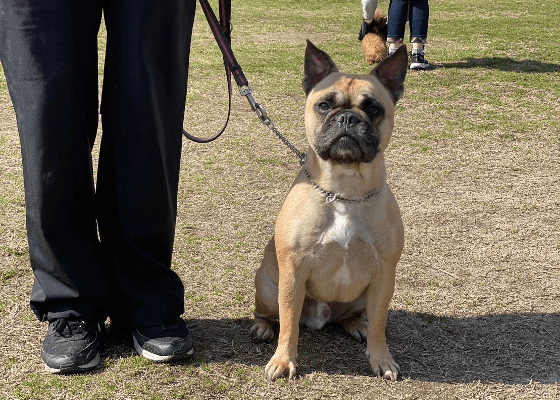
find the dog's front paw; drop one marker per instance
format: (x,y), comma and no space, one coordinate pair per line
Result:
(262,331)
(382,363)
(279,366)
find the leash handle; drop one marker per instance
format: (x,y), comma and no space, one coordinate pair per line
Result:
(222,34)
(222,39)
(225,18)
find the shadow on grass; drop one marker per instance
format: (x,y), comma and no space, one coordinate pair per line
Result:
(504,348)
(504,64)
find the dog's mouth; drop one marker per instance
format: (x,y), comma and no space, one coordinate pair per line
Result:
(346,150)
(347,142)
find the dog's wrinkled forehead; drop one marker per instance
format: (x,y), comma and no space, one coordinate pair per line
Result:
(352,89)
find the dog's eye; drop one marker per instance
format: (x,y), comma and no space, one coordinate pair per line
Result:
(323,106)
(373,110)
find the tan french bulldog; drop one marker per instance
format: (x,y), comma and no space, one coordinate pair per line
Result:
(339,234)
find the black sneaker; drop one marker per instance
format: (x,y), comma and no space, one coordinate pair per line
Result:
(417,61)
(71,345)
(162,343)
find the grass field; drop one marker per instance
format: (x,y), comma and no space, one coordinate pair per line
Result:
(474,164)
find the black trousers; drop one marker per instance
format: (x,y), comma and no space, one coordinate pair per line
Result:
(48,49)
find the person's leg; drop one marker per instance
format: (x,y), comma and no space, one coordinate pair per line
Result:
(369,7)
(420,13)
(143,103)
(396,23)
(49,54)
(419,16)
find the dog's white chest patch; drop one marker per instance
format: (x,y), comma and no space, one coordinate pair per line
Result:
(341,253)
(345,227)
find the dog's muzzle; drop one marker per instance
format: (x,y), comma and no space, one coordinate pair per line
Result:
(347,138)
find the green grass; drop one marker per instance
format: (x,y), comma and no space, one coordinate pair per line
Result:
(6,275)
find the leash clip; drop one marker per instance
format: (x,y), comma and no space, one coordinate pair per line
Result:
(247,91)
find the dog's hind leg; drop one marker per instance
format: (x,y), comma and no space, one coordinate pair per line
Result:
(350,316)
(356,327)
(266,300)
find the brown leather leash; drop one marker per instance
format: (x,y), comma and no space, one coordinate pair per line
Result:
(222,33)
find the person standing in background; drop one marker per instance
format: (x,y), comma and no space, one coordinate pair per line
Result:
(373,32)
(368,7)
(418,13)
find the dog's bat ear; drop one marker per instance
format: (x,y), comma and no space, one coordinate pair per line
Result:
(391,72)
(317,66)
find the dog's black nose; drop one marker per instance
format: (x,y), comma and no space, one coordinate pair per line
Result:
(347,118)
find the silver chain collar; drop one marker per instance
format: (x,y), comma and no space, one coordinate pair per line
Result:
(330,196)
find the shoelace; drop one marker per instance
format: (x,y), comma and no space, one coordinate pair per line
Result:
(73,326)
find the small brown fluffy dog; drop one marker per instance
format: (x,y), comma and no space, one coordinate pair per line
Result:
(374,42)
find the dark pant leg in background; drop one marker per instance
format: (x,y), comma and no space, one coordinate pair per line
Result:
(415,10)
(48,50)
(419,16)
(143,103)
(396,19)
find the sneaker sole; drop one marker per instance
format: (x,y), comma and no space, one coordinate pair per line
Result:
(156,357)
(419,66)
(80,368)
